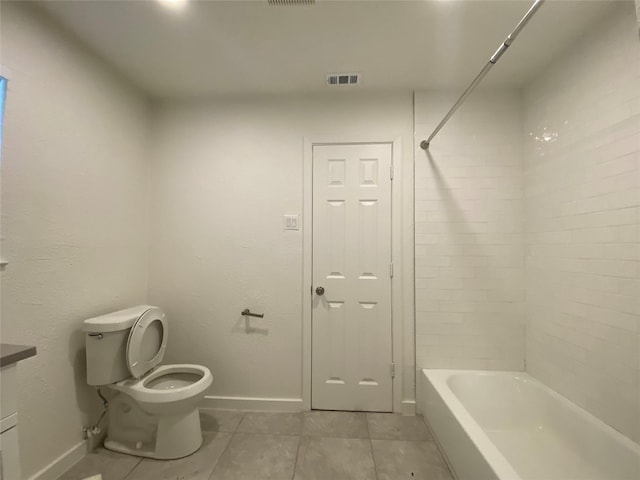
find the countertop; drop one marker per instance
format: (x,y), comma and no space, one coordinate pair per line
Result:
(10,354)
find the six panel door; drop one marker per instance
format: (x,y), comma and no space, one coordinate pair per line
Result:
(351,307)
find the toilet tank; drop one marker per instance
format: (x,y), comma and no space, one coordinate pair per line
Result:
(106,339)
(106,357)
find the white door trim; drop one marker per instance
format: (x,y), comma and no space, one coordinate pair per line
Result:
(397,298)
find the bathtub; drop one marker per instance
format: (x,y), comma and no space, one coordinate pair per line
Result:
(509,426)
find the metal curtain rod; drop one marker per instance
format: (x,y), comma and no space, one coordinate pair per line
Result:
(424,144)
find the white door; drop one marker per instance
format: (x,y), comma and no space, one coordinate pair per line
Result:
(351,308)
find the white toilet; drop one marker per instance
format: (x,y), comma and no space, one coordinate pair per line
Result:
(155,413)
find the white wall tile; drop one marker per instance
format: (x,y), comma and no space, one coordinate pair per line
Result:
(575,233)
(581,201)
(469,241)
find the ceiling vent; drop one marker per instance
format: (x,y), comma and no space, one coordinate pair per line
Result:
(341,79)
(291,2)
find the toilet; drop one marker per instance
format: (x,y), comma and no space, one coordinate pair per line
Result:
(155,410)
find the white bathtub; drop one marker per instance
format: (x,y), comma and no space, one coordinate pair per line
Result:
(508,426)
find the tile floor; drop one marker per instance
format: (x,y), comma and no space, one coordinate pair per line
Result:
(313,445)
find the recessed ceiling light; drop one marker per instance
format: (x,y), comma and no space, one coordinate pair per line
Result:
(174,4)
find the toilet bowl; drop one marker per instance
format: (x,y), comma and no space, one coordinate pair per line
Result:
(155,411)
(168,389)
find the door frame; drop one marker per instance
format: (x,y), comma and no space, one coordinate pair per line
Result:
(396,257)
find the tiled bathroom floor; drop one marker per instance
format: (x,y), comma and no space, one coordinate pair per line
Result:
(313,445)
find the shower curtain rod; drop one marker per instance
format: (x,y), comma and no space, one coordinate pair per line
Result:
(424,144)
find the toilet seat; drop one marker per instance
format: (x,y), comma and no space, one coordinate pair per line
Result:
(144,393)
(146,346)
(147,342)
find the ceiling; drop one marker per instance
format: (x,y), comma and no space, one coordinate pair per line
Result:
(247,46)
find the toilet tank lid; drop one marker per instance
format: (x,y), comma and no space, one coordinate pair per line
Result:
(115,321)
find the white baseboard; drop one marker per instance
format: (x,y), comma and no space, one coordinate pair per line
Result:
(63,463)
(260,404)
(256,404)
(408,407)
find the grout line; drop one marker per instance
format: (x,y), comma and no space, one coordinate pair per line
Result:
(239,422)
(412,440)
(127,475)
(366,421)
(295,462)
(226,447)
(264,434)
(213,467)
(373,458)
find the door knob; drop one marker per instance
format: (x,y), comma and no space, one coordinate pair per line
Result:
(320,290)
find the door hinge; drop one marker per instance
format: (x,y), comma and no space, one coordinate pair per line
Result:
(391,172)
(391,269)
(393,370)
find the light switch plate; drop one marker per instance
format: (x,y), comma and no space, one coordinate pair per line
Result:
(291,222)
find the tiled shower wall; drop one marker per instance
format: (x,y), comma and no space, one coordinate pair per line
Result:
(573,187)
(469,241)
(582,158)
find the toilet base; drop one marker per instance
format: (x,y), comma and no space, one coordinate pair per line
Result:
(164,437)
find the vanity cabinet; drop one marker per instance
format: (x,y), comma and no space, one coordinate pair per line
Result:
(10,355)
